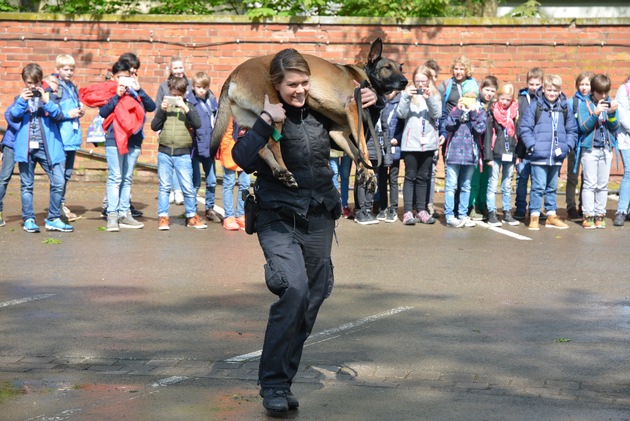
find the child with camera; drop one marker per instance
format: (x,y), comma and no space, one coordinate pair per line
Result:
(175,119)
(38,141)
(597,119)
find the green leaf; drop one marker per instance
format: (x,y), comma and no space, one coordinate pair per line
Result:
(51,241)
(562,340)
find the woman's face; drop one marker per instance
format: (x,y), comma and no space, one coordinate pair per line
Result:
(421,81)
(294,88)
(459,72)
(177,69)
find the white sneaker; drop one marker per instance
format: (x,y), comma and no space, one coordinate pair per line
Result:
(455,223)
(171,197)
(179,197)
(468,222)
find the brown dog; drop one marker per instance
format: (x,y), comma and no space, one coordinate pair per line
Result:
(331,94)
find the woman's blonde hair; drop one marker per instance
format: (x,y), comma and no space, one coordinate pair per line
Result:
(464,61)
(428,72)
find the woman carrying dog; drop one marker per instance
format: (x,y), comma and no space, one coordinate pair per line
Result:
(295,226)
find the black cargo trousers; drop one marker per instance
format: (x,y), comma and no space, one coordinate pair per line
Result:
(299,271)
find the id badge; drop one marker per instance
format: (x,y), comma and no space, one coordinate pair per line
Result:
(75,125)
(558,151)
(33,144)
(507,157)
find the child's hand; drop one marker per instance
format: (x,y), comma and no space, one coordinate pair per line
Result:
(613,105)
(442,140)
(490,163)
(164,105)
(26,94)
(120,91)
(394,142)
(76,113)
(602,106)
(411,90)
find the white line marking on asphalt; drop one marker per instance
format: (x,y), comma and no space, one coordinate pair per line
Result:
(503,231)
(328,332)
(25,300)
(169,381)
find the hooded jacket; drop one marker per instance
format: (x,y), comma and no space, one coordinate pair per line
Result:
(420,133)
(70,128)
(207,111)
(556,129)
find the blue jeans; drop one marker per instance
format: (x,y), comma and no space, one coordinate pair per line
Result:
(119,177)
(27,177)
(334,166)
(8,164)
(68,168)
(180,167)
(229,180)
(544,182)
(624,188)
(344,173)
(211,177)
(507,170)
(523,170)
(457,176)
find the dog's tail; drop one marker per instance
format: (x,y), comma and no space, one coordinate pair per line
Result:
(224,113)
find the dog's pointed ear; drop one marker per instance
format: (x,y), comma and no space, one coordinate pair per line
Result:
(375,50)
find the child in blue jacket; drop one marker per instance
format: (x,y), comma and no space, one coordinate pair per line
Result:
(548,132)
(38,141)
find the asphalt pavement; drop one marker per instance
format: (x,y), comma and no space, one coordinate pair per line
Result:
(424,323)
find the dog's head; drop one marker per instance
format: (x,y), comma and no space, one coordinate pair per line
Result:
(385,75)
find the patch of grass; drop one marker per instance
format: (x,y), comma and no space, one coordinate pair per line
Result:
(51,241)
(562,340)
(101,229)
(8,391)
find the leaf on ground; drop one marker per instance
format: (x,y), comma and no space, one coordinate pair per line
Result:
(51,241)
(562,340)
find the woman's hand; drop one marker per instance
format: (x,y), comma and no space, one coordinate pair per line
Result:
(368,97)
(275,110)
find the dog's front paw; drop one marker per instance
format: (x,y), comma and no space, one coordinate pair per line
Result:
(286,177)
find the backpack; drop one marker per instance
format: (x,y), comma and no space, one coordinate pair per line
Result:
(539,111)
(95,132)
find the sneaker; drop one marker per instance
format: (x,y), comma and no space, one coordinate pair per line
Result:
(588,223)
(230,224)
(164,223)
(475,215)
(543,216)
(392,215)
(58,225)
(240,220)
(195,222)
(30,225)
(518,215)
(171,197)
(425,218)
(431,210)
(365,218)
(408,219)
(70,217)
(112,222)
(600,222)
(214,216)
(104,212)
(618,221)
(179,197)
(468,223)
(2,223)
(347,213)
(574,214)
(382,215)
(493,221)
(554,222)
(135,212)
(533,223)
(275,400)
(127,221)
(455,223)
(509,219)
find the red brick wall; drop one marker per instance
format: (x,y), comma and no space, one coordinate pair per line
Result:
(503,47)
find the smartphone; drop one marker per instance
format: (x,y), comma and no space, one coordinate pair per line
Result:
(127,81)
(36,93)
(172,100)
(607,103)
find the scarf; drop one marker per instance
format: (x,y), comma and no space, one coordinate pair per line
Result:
(505,117)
